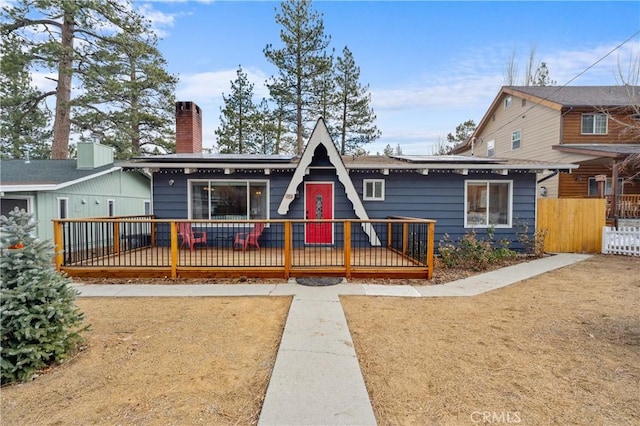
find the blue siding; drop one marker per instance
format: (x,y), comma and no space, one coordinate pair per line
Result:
(438,196)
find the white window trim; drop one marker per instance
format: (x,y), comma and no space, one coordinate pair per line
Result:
(266,182)
(509,223)
(491,148)
(111,202)
(144,205)
(519,140)
(372,197)
(29,198)
(593,130)
(508,101)
(58,201)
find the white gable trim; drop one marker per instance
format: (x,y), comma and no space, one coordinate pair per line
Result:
(320,136)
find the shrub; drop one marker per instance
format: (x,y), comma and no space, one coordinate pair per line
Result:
(40,322)
(471,252)
(533,245)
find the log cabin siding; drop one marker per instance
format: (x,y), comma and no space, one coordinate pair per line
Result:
(572,128)
(576,184)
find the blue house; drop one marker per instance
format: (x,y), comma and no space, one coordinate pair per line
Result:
(461,193)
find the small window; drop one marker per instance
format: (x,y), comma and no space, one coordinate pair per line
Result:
(507,102)
(147,207)
(111,208)
(63,208)
(7,204)
(593,187)
(594,124)
(373,189)
(491,148)
(488,203)
(515,140)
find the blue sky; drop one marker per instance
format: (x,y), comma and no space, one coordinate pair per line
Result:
(429,65)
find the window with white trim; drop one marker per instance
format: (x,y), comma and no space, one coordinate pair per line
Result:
(7,204)
(63,208)
(488,203)
(373,189)
(491,148)
(111,208)
(594,124)
(507,101)
(515,139)
(228,199)
(147,207)
(593,187)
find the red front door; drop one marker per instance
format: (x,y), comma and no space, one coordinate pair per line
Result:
(318,205)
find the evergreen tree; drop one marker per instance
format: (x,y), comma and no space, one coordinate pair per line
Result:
(541,76)
(23,126)
(267,123)
(40,321)
(388,151)
(57,36)
(463,132)
(324,102)
(236,133)
(356,120)
(299,62)
(129,96)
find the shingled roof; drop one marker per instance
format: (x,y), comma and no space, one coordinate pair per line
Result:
(45,172)
(583,96)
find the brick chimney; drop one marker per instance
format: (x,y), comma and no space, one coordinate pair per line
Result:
(188,128)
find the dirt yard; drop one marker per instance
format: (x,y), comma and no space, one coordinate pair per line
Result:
(562,348)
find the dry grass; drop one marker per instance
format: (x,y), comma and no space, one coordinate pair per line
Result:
(561,348)
(158,362)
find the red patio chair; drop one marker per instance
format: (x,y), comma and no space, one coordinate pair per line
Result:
(190,238)
(249,238)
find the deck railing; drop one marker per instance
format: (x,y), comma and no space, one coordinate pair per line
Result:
(627,206)
(142,246)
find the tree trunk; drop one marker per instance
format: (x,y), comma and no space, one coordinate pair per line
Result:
(62,121)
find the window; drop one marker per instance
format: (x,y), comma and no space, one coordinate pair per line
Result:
(487,203)
(7,204)
(491,148)
(373,189)
(593,187)
(63,211)
(228,200)
(147,207)
(111,208)
(507,101)
(594,124)
(515,140)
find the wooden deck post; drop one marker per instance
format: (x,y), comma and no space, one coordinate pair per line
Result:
(287,249)
(430,247)
(347,248)
(389,230)
(174,250)
(405,237)
(57,242)
(116,237)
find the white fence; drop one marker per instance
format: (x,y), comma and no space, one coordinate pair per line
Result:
(622,240)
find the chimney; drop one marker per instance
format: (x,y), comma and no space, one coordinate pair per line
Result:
(188,128)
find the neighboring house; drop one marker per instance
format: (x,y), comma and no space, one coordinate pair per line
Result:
(91,186)
(461,193)
(570,124)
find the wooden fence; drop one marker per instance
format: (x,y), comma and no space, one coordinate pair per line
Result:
(622,240)
(573,225)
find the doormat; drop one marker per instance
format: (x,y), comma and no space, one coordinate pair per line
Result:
(318,281)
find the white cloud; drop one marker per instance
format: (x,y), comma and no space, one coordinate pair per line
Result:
(160,21)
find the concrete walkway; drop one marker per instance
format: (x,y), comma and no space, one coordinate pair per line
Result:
(316,379)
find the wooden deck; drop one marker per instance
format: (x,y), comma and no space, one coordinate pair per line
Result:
(98,248)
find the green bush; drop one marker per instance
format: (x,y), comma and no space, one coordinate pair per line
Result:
(471,252)
(40,322)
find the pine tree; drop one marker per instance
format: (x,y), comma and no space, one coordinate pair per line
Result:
(58,36)
(129,96)
(23,126)
(299,62)
(40,321)
(237,132)
(356,120)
